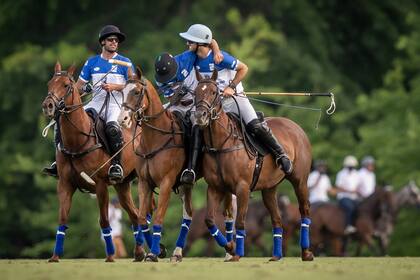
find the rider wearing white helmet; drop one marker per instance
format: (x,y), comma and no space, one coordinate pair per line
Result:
(367,177)
(231,71)
(346,183)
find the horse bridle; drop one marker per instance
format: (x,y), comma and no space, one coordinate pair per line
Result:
(213,108)
(61,107)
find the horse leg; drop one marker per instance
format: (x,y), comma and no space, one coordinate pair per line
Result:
(242,197)
(229,213)
(214,198)
(126,200)
(65,193)
(103,202)
(301,191)
(185,225)
(145,200)
(270,201)
(163,201)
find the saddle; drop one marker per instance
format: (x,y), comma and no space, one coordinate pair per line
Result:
(99,129)
(252,144)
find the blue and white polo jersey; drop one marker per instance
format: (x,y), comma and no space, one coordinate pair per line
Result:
(96,68)
(185,74)
(226,69)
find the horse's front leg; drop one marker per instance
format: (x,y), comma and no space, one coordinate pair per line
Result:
(145,201)
(126,200)
(229,213)
(187,212)
(270,202)
(242,198)
(163,201)
(65,193)
(214,198)
(103,202)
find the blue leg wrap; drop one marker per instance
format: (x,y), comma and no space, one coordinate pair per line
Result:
(138,235)
(59,240)
(157,232)
(149,219)
(229,230)
(220,238)
(146,235)
(109,245)
(185,227)
(240,242)
(304,233)
(277,242)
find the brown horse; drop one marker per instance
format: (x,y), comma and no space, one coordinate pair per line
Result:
(328,221)
(229,169)
(80,151)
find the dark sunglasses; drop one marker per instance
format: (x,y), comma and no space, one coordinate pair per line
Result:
(112,39)
(190,42)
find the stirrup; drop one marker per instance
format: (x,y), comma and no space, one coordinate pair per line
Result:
(51,170)
(285,163)
(188,177)
(115,173)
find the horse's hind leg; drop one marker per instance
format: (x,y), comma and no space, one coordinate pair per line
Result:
(301,191)
(126,201)
(270,201)
(65,193)
(214,198)
(103,202)
(187,213)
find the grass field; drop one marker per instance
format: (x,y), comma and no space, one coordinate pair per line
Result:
(212,268)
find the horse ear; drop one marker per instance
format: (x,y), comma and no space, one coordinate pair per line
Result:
(71,69)
(197,74)
(138,72)
(57,67)
(214,75)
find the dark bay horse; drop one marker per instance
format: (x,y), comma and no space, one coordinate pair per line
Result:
(80,152)
(229,169)
(328,221)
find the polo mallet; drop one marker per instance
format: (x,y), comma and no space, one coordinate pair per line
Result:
(88,178)
(330,110)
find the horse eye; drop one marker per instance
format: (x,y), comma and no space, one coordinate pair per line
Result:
(66,85)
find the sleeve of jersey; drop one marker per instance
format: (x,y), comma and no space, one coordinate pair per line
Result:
(229,62)
(133,68)
(86,74)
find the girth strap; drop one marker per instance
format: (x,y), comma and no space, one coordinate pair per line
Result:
(257,171)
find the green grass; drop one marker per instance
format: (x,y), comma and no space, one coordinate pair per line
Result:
(215,268)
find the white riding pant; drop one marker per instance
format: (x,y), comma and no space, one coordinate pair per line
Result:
(245,107)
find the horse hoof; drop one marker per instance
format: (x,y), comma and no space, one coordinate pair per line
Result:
(234,258)
(151,258)
(54,259)
(109,259)
(163,252)
(307,255)
(139,254)
(176,258)
(230,248)
(274,259)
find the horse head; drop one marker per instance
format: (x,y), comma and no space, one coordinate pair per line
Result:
(60,87)
(410,195)
(207,99)
(135,104)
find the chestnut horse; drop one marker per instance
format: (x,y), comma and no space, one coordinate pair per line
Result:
(229,169)
(79,152)
(161,158)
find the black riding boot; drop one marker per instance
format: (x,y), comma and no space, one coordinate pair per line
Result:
(115,139)
(52,169)
(264,134)
(188,176)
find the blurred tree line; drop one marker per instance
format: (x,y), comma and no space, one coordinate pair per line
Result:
(366,52)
